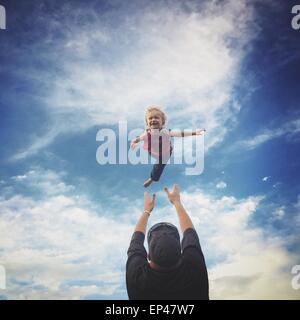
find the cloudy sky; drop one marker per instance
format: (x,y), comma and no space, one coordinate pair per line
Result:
(71,68)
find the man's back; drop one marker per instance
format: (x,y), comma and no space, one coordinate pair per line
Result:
(188,280)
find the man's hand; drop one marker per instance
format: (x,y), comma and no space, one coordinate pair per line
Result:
(184,219)
(149,204)
(174,195)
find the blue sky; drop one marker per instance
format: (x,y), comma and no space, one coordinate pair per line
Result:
(69,69)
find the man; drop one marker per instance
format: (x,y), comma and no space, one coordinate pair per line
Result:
(175,271)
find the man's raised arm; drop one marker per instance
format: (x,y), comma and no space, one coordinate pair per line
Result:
(184,219)
(148,207)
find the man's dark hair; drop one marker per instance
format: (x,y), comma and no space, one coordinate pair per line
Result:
(164,245)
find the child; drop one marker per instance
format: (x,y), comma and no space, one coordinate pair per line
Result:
(157,140)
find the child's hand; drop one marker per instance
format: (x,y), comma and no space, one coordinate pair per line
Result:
(199,132)
(133,144)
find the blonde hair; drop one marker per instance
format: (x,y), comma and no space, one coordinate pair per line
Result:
(155,108)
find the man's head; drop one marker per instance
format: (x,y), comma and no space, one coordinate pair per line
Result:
(164,245)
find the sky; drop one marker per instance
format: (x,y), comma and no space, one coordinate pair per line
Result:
(70,68)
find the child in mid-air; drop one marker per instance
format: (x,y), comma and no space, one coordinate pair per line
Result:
(157,140)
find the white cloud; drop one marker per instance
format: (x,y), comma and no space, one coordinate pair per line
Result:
(19,178)
(38,144)
(221,185)
(50,246)
(297,207)
(279,213)
(276,185)
(290,129)
(181,59)
(46,181)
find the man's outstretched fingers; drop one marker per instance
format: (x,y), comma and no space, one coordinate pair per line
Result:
(146,196)
(167,191)
(153,197)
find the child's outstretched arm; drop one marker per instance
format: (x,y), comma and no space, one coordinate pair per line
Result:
(181,133)
(138,139)
(134,142)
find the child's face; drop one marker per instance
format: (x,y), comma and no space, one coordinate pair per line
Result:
(155,120)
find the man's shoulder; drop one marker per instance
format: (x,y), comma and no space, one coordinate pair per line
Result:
(190,243)
(190,232)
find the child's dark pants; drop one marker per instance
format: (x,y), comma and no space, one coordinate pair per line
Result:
(159,167)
